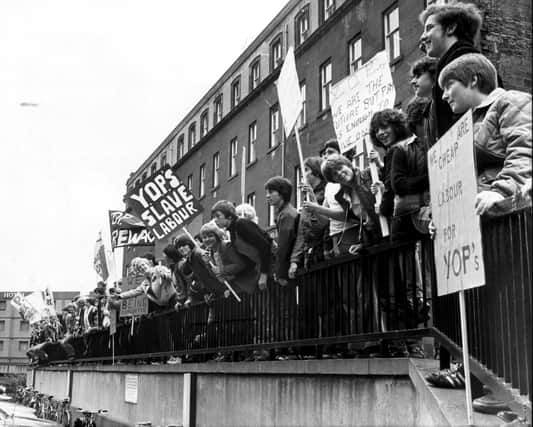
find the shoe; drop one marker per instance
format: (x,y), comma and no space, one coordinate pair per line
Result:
(448,378)
(488,404)
(173,360)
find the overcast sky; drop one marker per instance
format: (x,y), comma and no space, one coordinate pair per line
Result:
(111,79)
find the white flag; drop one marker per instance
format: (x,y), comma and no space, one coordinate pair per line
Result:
(289,94)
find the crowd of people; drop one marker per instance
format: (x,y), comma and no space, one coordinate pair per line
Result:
(339,215)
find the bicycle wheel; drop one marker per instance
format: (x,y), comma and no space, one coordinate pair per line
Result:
(66,418)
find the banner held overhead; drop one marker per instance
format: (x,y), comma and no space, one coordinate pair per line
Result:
(128,230)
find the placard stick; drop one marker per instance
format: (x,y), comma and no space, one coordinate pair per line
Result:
(379,196)
(211,265)
(243,175)
(301,158)
(466,358)
(132,322)
(113,349)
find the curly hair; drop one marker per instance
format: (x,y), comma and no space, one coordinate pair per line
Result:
(225,207)
(211,228)
(282,185)
(396,119)
(425,64)
(183,240)
(246,210)
(139,266)
(464,18)
(333,164)
(160,271)
(415,112)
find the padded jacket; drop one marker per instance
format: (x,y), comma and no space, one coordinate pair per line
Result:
(502,141)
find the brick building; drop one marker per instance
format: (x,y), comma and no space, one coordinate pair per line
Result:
(15,332)
(331,39)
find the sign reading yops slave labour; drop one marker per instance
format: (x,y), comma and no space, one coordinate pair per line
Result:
(164,203)
(357,97)
(128,230)
(452,176)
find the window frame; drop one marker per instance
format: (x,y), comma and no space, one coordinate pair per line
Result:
(201,183)
(302,118)
(276,41)
(274,137)
(255,64)
(163,160)
(181,151)
(325,87)
(302,16)
(271,221)
(251,146)
(236,84)
(298,177)
(326,11)
(204,123)
(22,344)
(233,157)
(359,61)
(218,107)
(191,135)
(190,183)
(389,36)
(215,177)
(251,199)
(153,168)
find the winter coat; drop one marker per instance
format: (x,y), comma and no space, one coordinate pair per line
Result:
(160,297)
(287,226)
(238,270)
(502,141)
(409,176)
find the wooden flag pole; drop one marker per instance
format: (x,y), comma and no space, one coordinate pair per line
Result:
(466,358)
(301,159)
(243,175)
(211,264)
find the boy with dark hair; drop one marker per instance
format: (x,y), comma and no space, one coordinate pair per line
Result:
(423,76)
(278,194)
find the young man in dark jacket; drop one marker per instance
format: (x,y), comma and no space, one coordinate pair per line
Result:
(449,32)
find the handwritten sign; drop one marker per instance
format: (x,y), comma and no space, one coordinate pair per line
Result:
(135,306)
(357,97)
(128,230)
(164,203)
(452,177)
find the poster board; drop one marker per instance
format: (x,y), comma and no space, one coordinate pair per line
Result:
(453,186)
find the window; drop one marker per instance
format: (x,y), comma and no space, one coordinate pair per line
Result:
(23,346)
(392,33)
(355,54)
(217,114)
(181,146)
(252,137)
(275,130)
(164,160)
(3,305)
(271,216)
(235,92)
(2,325)
(216,167)
(250,199)
(327,8)
(137,183)
(153,169)
(297,182)
(301,26)
(1,345)
(192,135)
(276,52)
(201,190)
(189,182)
(24,326)
(255,73)
(302,120)
(325,84)
(204,123)
(145,176)
(233,148)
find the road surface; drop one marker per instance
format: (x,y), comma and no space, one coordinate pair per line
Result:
(12,414)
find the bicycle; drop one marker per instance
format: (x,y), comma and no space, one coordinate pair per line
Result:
(63,413)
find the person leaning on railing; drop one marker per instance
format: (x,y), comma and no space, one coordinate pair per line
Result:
(502,128)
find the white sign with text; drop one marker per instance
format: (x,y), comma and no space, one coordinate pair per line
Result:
(357,97)
(452,176)
(131,386)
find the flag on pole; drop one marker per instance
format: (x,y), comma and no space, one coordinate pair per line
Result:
(100,264)
(289,94)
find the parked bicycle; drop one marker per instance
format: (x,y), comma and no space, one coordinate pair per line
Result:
(63,416)
(88,419)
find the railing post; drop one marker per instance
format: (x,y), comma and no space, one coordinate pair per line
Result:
(189,400)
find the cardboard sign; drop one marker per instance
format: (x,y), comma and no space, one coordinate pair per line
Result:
(164,203)
(357,97)
(289,94)
(452,177)
(136,306)
(128,230)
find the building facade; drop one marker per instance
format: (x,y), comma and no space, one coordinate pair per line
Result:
(15,332)
(332,38)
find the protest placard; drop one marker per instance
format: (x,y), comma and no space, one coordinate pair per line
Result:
(453,186)
(289,94)
(357,97)
(164,203)
(135,306)
(128,230)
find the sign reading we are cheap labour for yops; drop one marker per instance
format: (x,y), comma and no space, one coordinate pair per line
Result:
(164,203)
(452,177)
